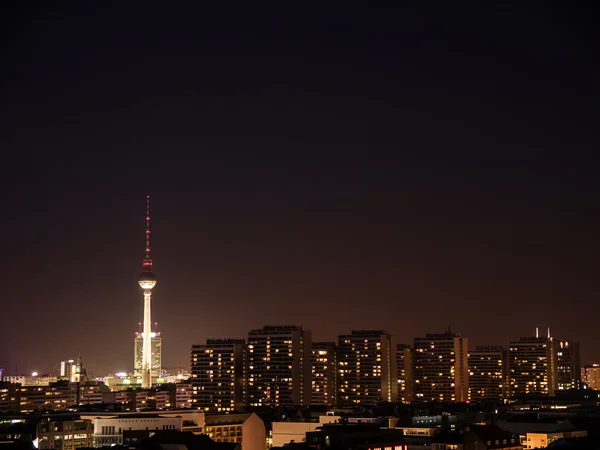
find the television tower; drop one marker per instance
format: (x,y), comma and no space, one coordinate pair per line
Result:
(147,281)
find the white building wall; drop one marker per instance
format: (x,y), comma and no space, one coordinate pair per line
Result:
(254,435)
(109,430)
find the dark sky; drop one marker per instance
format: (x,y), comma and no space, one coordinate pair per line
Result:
(405,169)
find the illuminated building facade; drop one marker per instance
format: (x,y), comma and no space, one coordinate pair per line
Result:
(138,353)
(568,365)
(247,430)
(487,373)
(147,281)
(67,370)
(173,395)
(591,376)
(72,370)
(441,367)
(279,366)
(9,396)
(183,395)
(532,366)
(367,368)
(90,393)
(324,373)
(108,430)
(218,375)
(31,380)
(404,361)
(57,396)
(65,434)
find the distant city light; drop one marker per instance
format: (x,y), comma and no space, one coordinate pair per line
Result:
(34,374)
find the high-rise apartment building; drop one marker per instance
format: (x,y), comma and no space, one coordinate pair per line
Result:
(218,375)
(72,370)
(279,366)
(404,361)
(367,368)
(67,370)
(138,352)
(487,373)
(568,365)
(532,366)
(441,367)
(591,376)
(324,373)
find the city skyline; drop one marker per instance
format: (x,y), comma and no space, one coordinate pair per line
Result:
(473,346)
(185,363)
(386,170)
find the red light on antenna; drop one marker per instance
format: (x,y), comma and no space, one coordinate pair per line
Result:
(147,196)
(147,218)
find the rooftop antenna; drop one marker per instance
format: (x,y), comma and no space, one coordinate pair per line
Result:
(537,332)
(549,333)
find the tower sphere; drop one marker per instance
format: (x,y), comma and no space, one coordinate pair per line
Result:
(147,280)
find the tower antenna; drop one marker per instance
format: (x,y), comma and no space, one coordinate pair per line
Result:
(147,263)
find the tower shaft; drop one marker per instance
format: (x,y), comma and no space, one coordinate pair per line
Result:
(147,343)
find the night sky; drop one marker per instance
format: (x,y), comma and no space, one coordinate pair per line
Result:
(407,169)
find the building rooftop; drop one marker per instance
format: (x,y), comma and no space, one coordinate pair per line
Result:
(136,416)
(448,437)
(491,433)
(226,419)
(188,439)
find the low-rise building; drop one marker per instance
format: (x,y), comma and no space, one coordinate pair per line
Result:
(65,434)
(358,436)
(245,429)
(108,430)
(162,399)
(285,432)
(476,437)
(544,439)
(537,433)
(109,426)
(31,380)
(57,396)
(419,431)
(9,396)
(90,393)
(179,395)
